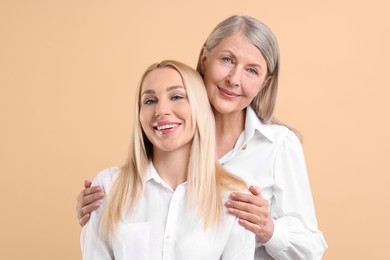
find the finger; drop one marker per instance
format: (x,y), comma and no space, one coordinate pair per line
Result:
(247,198)
(87,184)
(246,211)
(88,196)
(243,206)
(252,218)
(254,228)
(88,209)
(87,203)
(255,191)
(92,190)
(84,219)
(88,199)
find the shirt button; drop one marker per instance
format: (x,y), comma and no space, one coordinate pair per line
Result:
(244,147)
(168,236)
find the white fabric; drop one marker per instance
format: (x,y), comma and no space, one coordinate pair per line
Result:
(164,227)
(271,157)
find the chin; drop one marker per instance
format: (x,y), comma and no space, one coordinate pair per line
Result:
(223,110)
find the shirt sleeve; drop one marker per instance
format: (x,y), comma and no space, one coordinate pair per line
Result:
(241,244)
(93,246)
(296,234)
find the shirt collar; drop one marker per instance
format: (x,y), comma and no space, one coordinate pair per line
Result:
(253,123)
(151,173)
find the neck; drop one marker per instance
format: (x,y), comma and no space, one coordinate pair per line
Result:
(172,166)
(228,128)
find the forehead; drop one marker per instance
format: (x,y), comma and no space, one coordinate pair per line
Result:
(161,78)
(239,45)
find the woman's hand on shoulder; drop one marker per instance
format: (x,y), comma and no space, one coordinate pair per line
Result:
(252,210)
(87,201)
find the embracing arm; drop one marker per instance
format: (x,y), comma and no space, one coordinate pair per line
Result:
(289,229)
(296,230)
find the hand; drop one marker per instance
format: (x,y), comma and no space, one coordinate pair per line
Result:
(87,201)
(252,210)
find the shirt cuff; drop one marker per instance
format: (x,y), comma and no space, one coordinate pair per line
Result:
(278,242)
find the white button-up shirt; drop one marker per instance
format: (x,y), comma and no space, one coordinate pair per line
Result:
(163,226)
(271,157)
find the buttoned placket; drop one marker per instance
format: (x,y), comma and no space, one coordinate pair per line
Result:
(172,221)
(241,145)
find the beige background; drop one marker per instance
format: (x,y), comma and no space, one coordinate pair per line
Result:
(67,75)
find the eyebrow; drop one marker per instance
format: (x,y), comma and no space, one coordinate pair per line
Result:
(150,91)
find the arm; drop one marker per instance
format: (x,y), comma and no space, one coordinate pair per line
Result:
(87,201)
(241,244)
(295,232)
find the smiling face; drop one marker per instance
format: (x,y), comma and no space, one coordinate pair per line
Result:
(234,73)
(165,112)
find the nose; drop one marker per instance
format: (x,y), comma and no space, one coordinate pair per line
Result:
(162,108)
(234,77)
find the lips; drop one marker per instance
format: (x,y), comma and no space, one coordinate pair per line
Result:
(164,127)
(168,126)
(227,93)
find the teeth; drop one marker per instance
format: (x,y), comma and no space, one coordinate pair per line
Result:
(162,127)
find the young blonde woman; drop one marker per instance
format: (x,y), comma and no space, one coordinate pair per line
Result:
(166,202)
(239,63)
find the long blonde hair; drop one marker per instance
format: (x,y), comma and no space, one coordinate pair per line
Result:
(206,180)
(261,36)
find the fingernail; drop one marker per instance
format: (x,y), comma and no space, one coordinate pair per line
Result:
(227,203)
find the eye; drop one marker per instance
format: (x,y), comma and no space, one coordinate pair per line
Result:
(177,97)
(227,59)
(149,101)
(252,71)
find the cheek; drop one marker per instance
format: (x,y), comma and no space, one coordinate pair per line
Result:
(215,76)
(143,116)
(186,113)
(215,73)
(250,93)
(144,129)
(252,88)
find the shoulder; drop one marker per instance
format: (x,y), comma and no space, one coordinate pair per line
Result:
(285,141)
(281,133)
(107,176)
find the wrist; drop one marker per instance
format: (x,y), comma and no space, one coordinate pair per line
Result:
(266,232)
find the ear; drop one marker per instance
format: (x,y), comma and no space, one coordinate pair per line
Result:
(267,82)
(202,60)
